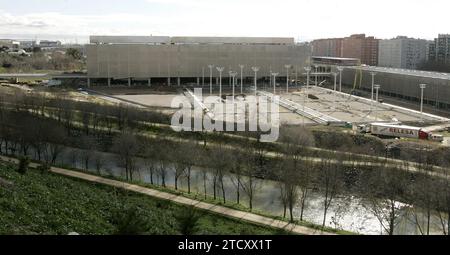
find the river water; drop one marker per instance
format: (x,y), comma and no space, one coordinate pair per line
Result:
(347,213)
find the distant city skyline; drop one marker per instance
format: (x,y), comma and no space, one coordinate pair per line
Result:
(73,21)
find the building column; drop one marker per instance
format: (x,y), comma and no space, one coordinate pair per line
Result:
(198,81)
(129,82)
(178,81)
(149,82)
(168,81)
(109,82)
(88,82)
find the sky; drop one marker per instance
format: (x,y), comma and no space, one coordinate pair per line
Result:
(75,20)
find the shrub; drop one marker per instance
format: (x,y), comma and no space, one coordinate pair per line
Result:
(44,168)
(188,221)
(23,165)
(130,221)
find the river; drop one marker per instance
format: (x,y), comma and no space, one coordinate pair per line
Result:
(347,213)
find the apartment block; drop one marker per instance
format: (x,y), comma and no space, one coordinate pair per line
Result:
(402,52)
(440,50)
(356,46)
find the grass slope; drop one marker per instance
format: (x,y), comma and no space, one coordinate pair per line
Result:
(37,203)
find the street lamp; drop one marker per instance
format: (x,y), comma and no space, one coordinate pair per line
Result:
(233,76)
(422,87)
(335,80)
(220,70)
(308,70)
(377,87)
(288,67)
(340,69)
(316,66)
(256,70)
(373,82)
(275,83)
(242,78)
(210,78)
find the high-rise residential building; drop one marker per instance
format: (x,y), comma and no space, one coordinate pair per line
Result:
(440,50)
(328,47)
(362,47)
(356,46)
(402,52)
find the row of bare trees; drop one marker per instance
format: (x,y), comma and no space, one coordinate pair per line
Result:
(386,191)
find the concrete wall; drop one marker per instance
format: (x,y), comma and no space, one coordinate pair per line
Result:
(144,61)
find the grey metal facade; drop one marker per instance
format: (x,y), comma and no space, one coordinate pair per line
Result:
(189,57)
(405,84)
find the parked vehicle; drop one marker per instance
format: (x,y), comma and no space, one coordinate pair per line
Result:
(400,131)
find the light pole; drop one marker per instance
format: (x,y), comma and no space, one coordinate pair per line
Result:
(335,80)
(377,88)
(316,66)
(242,78)
(308,70)
(220,69)
(340,69)
(210,78)
(422,87)
(275,83)
(233,76)
(256,70)
(373,82)
(288,67)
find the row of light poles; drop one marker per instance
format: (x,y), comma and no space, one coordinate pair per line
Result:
(234,74)
(377,87)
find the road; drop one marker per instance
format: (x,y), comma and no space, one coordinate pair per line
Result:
(179,199)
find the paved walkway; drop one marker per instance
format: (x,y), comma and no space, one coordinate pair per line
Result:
(221,210)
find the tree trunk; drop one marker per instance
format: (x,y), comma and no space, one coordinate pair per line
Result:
(204,184)
(176,181)
(284,210)
(189,179)
(223,190)
(238,195)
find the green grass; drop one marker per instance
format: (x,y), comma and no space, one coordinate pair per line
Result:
(37,203)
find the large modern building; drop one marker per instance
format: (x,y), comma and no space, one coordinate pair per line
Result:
(177,60)
(402,52)
(403,84)
(356,46)
(439,51)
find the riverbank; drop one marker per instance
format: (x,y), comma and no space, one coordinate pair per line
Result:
(47,203)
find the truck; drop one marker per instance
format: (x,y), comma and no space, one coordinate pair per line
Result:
(399,131)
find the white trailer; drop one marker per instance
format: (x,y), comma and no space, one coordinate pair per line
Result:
(402,131)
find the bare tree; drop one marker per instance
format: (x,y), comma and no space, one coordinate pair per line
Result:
(386,188)
(126,148)
(329,180)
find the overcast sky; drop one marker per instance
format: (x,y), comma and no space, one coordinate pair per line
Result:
(301,19)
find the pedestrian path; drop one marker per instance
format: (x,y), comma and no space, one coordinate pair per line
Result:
(221,210)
